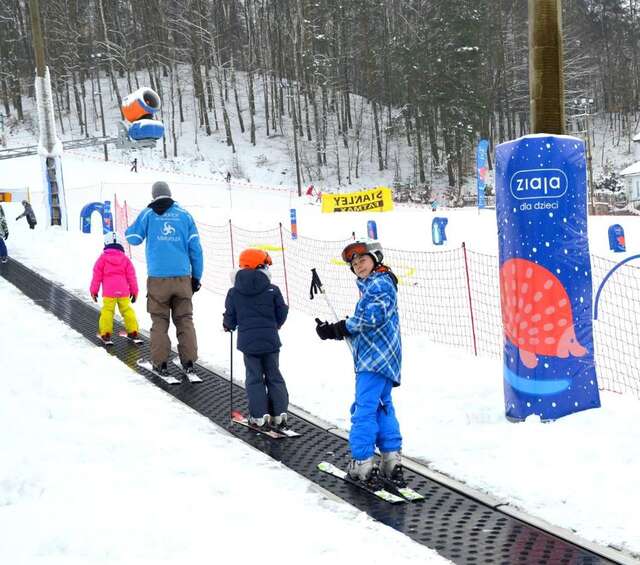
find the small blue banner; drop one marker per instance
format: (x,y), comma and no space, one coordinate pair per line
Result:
(438,234)
(617,243)
(294,224)
(482,170)
(372,229)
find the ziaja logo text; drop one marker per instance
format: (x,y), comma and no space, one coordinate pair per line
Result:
(538,183)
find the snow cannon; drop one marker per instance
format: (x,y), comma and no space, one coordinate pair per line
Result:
(139,108)
(141,104)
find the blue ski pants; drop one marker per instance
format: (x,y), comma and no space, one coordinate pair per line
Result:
(373,417)
(3,248)
(266,389)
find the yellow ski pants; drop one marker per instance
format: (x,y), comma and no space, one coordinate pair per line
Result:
(105,324)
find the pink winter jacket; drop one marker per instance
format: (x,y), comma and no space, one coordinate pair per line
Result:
(115,272)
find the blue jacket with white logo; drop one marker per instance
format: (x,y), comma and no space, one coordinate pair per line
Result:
(173,244)
(375,327)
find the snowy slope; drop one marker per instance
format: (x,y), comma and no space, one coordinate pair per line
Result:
(578,473)
(100,466)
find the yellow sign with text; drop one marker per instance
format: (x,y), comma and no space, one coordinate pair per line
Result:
(374,200)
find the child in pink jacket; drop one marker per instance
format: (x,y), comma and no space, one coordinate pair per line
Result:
(115,272)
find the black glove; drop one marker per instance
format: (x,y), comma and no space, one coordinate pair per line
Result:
(325,330)
(195,284)
(226,329)
(133,298)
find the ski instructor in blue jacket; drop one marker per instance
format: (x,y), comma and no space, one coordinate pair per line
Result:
(174,268)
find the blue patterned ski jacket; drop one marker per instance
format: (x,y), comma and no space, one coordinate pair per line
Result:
(375,328)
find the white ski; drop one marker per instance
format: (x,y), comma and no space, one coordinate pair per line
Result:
(193,378)
(385,495)
(105,342)
(136,340)
(149,367)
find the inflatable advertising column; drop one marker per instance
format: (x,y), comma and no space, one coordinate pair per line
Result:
(545,277)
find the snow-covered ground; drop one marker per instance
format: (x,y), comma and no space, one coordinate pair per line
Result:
(579,472)
(100,466)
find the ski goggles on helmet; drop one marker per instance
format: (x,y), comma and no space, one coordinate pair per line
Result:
(352,250)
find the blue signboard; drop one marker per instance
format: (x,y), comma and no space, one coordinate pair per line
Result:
(482,170)
(616,239)
(545,277)
(438,234)
(372,229)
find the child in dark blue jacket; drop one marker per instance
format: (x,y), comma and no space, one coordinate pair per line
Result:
(257,309)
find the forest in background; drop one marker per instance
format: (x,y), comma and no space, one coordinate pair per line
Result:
(353,80)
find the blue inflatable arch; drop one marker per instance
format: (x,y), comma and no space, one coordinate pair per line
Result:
(104,209)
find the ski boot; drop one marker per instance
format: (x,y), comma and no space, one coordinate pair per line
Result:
(106,339)
(162,369)
(133,335)
(279,423)
(188,368)
(364,470)
(261,423)
(391,468)
(4,259)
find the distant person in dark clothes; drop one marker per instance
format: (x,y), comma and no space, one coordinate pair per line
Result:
(4,234)
(228,176)
(29,214)
(134,165)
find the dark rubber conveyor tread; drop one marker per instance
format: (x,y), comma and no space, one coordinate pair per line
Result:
(456,526)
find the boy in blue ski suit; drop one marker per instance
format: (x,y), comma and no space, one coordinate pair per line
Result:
(374,330)
(174,268)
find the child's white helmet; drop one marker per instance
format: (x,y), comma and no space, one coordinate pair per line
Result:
(112,237)
(370,247)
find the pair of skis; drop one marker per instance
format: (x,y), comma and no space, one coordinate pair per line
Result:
(381,487)
(273,433)
(169,379)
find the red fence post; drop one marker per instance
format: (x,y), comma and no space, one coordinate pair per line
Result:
(284,264)
(473,323)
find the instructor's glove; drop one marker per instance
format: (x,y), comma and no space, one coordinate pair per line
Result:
(325,330)
(133,297)
(195,284)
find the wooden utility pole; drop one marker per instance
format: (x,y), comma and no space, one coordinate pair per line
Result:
(546,77)
(36,30)
(49,146)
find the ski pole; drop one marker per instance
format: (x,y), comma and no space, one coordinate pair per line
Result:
(231,375)
(316,286)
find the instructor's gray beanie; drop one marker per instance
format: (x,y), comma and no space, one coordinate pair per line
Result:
(160,189)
